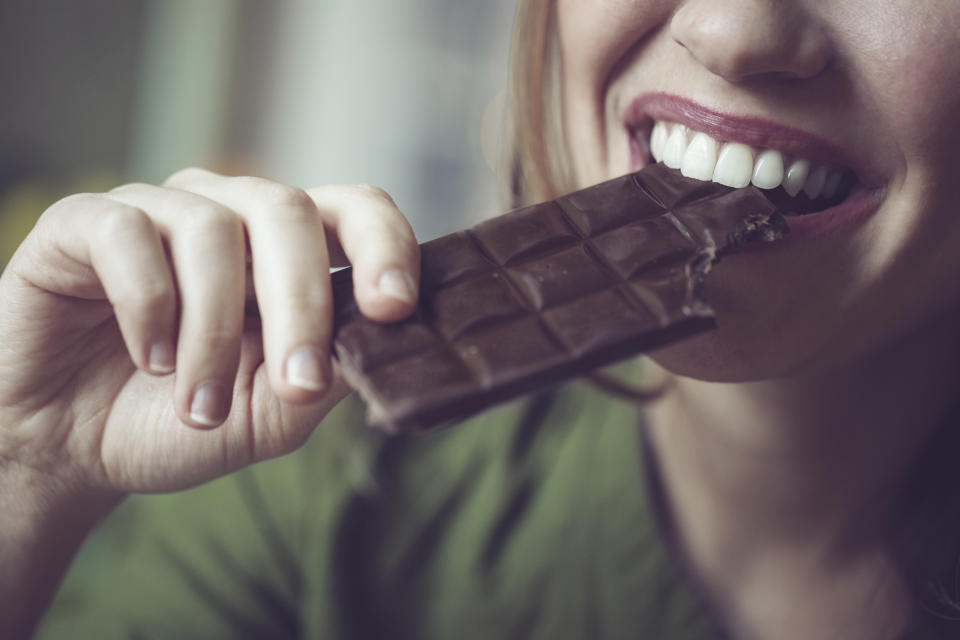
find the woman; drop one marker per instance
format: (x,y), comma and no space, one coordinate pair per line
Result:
(793,461)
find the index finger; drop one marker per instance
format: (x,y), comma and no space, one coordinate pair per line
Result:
(380,244)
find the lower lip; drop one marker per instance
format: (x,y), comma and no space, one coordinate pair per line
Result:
(861,204)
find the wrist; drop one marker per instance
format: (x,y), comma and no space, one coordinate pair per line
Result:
(33,501)
(44,521)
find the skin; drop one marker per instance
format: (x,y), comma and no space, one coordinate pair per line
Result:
(86,415)
(91,409)
(786,433)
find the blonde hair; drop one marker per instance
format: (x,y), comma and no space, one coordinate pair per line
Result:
(537,161)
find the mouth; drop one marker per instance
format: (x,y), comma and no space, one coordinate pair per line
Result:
(798,172)
(795,184)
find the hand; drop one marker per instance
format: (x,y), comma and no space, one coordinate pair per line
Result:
(126,359)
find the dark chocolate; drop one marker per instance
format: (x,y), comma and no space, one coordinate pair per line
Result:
(546,293)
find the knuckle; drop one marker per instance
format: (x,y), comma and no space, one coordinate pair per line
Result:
(119,221)
(131,188)
(383,213)
(67,206)
(294,216)
(48,231)
(210,217)
(375,193)
(188,175)
(402,229)
(280,195)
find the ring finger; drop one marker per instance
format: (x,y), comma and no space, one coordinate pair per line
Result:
(207,247)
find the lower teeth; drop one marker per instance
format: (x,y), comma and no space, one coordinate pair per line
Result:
(801,205)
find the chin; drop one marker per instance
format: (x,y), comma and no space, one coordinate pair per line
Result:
(761,334)
(717,356)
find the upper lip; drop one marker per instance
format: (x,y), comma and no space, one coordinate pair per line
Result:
(753,131)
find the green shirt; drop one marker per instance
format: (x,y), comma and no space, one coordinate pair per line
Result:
(530,521)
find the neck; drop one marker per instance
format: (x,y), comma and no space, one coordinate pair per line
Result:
(786,486)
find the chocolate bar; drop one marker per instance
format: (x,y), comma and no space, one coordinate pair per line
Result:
(545,293)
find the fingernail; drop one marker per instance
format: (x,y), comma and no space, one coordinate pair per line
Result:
(398,284)
(163,357)
(305,369)
(210,404)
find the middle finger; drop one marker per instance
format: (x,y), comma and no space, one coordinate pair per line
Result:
(290,274)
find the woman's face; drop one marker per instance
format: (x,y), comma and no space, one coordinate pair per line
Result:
(866,90)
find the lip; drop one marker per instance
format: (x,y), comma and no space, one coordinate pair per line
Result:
(756,132)
(861,204)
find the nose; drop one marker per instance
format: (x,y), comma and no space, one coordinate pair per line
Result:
(745,39)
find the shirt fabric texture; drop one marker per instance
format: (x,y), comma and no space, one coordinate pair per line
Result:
(531,521)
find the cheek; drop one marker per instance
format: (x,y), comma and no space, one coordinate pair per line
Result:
(911,70)
(905,57)
(594,36)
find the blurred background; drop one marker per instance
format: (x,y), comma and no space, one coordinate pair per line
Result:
(404,95)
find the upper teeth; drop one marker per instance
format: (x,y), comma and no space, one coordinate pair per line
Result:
(734,164)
